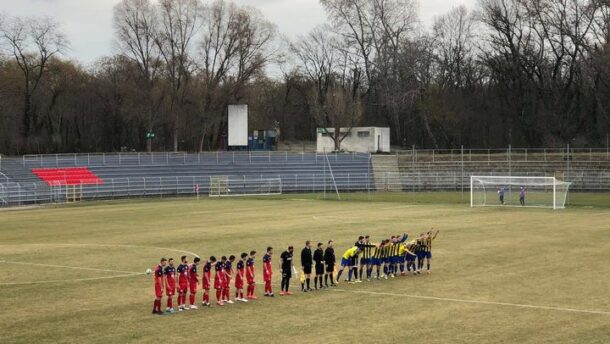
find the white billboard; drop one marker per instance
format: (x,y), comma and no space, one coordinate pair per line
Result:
(238,125)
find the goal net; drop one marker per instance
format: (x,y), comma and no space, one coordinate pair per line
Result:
(541,192)
(226,186)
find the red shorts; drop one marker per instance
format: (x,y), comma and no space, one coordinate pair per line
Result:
(251,281)
(205,285)
(158,291)
(183,288)
(267,277)
(218,283)
(239,283)
(226,283)
(193,287)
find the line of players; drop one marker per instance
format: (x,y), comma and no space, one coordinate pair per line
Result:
(389,257)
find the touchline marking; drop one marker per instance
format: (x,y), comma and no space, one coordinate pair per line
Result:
(561,309)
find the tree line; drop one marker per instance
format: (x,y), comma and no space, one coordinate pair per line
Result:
(529,73)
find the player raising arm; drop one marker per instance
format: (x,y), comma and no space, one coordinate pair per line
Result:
(429,237)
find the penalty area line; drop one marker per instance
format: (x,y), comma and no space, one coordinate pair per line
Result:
(481,302)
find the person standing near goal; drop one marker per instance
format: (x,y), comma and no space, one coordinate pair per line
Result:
(427,246)
(329,260)
(501,195)
(522,196)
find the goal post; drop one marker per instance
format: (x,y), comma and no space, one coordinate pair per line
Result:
(235,186)
(515,191)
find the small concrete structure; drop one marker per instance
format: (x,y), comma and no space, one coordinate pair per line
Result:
(359,139)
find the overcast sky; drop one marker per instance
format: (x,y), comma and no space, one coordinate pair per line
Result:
(88,23)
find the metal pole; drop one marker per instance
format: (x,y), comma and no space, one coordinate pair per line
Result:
(566,178)
(462,178)
(510,173)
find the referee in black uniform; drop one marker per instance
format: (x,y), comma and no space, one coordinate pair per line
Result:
(318,258)
(329,260)
(306,263)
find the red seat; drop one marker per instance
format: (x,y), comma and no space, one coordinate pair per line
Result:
(67,176)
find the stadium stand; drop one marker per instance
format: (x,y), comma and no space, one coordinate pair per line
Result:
(142,174)
(134,175)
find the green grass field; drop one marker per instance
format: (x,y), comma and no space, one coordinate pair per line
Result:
(72,274)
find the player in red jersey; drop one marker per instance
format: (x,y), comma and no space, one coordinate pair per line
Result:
(250,276)
(218,279)
(226,287)
(193,281)
(239,278)
(170,284)
(159,286)
(267,272)
(183,282)
(207,280)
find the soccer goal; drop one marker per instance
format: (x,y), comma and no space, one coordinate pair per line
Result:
(227,186)
(541,192)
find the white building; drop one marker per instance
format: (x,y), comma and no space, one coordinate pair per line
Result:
(360,139)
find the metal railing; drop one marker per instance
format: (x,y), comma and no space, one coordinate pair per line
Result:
(134,187)
(147,159)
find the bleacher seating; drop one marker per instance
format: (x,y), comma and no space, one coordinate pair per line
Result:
(128,174)
(67,176)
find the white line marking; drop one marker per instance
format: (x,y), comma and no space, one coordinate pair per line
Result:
(562,309)
(106,245)
(67,267)
(72,280)
(122,273)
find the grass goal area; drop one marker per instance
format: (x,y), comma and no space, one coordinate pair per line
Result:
(74,273)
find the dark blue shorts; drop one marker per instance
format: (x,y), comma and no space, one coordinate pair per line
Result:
(365,261)
(421,255)
(401,260)
(428,255)
(376,261)
(346,262)
(410,257)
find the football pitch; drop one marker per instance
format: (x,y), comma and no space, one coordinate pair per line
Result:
(74,273)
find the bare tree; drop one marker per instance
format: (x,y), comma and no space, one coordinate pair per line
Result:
(135,24)
(236,46)
(180,22)
(32,43)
